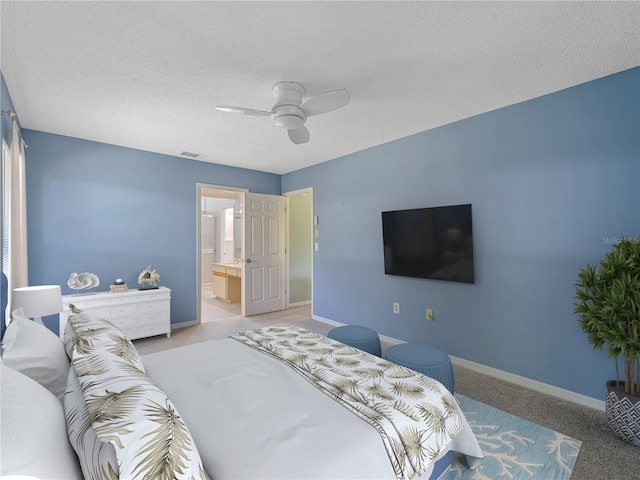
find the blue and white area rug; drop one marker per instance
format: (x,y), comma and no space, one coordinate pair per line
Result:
(513,447)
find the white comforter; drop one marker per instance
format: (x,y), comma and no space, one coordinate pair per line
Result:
(253,417)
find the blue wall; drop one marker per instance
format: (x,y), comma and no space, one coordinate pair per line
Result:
(112,211)
(548,180)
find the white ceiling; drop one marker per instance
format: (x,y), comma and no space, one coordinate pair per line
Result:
(147,75)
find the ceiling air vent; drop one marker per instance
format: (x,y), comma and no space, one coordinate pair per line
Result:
(189,154)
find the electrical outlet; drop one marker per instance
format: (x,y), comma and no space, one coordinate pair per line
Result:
(396,308)
(429,314)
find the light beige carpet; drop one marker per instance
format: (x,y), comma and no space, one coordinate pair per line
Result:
(219,329)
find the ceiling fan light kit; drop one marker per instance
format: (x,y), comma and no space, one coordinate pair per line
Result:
(288,116)
(290,113)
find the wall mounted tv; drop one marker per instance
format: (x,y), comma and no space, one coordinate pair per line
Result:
(435,243)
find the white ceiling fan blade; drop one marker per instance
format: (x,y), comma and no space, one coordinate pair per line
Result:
(245,111)
(299,135)
(326,102)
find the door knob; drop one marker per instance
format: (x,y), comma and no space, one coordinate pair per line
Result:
(248,260)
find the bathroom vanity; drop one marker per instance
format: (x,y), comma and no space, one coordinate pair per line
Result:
(227,279)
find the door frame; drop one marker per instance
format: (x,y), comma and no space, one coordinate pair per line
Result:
(201,191)
(201,188)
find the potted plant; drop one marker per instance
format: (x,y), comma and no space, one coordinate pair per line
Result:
(608,304)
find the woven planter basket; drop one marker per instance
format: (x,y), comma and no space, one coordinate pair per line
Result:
(623,412)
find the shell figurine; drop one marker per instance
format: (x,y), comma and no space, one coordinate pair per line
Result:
(82,281)
(148,276)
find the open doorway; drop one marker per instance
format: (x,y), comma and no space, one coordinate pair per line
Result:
(300,239)
(219,251)
(220,220)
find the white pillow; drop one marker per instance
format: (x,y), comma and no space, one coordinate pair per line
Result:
(33,434)
(37,352)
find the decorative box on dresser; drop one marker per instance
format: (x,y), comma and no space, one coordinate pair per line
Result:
(138,313)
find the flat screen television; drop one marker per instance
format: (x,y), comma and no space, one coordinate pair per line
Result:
(435,243)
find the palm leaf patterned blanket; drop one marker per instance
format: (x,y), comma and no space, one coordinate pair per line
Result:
(416,416)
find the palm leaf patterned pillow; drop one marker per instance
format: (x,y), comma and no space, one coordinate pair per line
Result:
(97,458)
(128,410)
(88,333)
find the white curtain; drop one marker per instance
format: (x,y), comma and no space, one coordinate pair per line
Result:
(18,268)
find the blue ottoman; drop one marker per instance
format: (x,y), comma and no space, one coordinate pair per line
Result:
(363,338)
(425,359)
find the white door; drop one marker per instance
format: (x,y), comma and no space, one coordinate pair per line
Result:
(263,278)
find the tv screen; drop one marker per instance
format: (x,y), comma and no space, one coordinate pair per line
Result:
(435,243)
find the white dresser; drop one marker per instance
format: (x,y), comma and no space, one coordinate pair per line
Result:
(137,313)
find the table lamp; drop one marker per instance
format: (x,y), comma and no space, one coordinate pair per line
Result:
(38,301)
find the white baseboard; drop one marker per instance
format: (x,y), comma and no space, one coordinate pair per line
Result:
(178,326)
(525,382)
(326,320)
(541,387)
(300,304)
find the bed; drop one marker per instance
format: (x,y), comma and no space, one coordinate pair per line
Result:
(279,402)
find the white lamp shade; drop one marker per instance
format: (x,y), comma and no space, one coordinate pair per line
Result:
(37,301)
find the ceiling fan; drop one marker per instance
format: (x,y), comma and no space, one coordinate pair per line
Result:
(289,112)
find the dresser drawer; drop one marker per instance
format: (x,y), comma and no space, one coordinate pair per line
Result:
(84,304)
(153,329)
(153,296)
(122,310)
(150,307)
(151,318)
(100,312)
(130,333)
(124,323)
(117,299)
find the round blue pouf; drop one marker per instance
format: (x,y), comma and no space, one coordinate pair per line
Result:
(424,359)
(363,338)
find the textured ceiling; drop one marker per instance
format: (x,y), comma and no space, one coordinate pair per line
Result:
(148,75)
